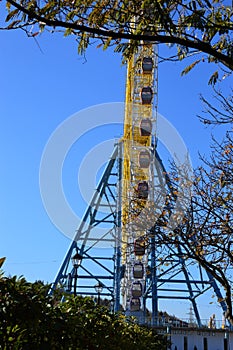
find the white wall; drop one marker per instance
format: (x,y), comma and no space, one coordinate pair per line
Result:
(215,339)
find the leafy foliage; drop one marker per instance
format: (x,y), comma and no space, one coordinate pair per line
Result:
(204,233)
(32,319)
(193,26)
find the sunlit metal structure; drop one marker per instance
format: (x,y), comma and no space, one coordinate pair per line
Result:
(121,217)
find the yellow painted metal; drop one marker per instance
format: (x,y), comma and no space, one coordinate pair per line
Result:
(126,157)
(133,142)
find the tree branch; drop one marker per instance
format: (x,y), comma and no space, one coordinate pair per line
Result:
(195,44)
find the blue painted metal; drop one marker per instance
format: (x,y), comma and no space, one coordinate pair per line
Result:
(118,273)
(217,291)
(94,266)
(154,287)
(105,267)
(205,283)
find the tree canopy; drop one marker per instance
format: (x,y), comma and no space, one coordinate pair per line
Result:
(33,319)
(192,26)
(204,232)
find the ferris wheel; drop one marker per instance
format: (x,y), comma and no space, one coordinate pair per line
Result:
(138,173)
(132,275)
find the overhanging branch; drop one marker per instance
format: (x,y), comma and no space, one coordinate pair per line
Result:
(195,44)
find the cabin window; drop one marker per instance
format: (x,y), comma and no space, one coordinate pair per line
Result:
(136,290)
(144,159)
(139,247)
(138,270)
(146,95)
(145,127)
(147,65)
(135,304)
(143,190)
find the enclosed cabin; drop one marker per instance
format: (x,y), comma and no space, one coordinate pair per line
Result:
(139,247)
(147,65)
(146,95)
(145,127)
(135,304)
(148,32)
(136,290)
(144,159)
(143,190)
(138,270)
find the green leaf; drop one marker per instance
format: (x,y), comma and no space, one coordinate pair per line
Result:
(107,43)
(214,78)
(189,68)
(8,6)
(68,31)
(12,14)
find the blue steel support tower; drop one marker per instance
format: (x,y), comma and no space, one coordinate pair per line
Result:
(131,268)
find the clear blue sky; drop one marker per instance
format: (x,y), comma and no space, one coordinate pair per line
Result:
(42,87)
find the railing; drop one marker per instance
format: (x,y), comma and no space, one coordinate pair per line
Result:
(183,323)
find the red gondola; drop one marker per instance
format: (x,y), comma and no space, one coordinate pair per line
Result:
(143,190)
(139,247)
(147,65)
(145,127)
(136,290)
(138,270)
(144,159)
(135,304)
(146,95)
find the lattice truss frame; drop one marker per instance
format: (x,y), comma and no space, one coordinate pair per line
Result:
(117,239)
